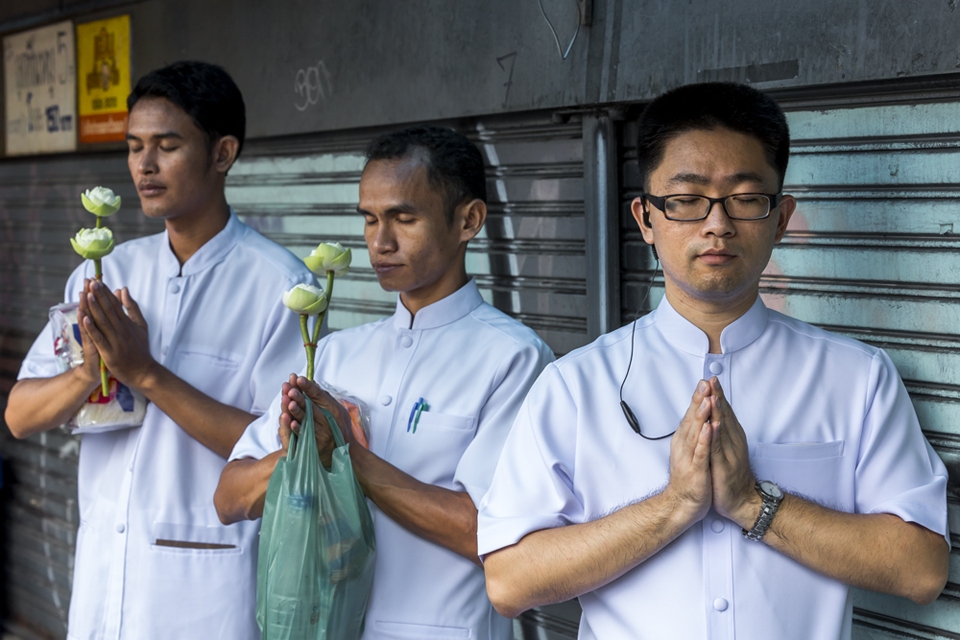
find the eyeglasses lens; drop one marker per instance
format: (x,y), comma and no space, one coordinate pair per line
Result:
(740,207)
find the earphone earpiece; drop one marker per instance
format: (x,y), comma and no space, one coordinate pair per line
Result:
(646,223)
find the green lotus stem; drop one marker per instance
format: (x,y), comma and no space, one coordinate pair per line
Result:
(323,314)
(305,332)
(104,374)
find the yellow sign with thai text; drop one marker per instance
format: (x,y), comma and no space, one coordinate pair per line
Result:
(103,79)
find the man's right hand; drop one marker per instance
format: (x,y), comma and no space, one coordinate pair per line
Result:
(89,371)
(690,487)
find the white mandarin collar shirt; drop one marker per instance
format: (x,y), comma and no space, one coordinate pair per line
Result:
(217,323)
(825,416)
(473,365)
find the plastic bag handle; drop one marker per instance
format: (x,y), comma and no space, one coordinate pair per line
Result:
(293,447)
(334,427)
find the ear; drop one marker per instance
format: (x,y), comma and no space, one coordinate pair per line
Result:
(470,218)
(788,204)
(642,215)
(225,153)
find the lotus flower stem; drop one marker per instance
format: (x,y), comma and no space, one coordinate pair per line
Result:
(104,374)
(323,314)
(307,344)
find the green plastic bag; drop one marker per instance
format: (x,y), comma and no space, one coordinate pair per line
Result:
(317,547)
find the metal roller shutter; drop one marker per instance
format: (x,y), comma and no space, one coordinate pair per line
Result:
(871,253)
(529,261)
(39,211)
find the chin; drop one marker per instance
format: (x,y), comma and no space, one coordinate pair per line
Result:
(388,284)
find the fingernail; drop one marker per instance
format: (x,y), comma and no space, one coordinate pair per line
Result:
(702,387)
(704,404)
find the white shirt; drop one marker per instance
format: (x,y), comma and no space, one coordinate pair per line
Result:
(219,325)
(825,416)
(473,365)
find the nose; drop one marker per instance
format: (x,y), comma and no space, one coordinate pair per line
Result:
(147,162)
(717,221)
(384,240)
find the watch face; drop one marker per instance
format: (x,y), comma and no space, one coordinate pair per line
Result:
(771,489)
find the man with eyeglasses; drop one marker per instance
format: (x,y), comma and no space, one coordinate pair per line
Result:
(716,469)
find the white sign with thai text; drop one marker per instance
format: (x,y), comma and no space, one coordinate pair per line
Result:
(39,68)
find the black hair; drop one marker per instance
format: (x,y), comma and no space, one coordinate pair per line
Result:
(204,91)
(454,164)
(706,106)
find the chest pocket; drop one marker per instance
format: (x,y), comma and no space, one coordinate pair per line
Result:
(432,454)
(206,370)
(811,469)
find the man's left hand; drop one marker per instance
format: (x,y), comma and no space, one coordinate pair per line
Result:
(295,393)
(734,486)
(114,323)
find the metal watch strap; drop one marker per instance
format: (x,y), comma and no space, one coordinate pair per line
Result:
(767,510)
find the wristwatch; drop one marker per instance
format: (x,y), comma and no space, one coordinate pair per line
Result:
(772,496)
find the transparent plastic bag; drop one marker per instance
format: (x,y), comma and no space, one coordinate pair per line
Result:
(317,548)
(122,408)
(359,414)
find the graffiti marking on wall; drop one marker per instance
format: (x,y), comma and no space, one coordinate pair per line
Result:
(312,85)
(512,57)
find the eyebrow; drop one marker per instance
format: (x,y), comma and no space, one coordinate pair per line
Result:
(696,178)
(401,207)
(159,136)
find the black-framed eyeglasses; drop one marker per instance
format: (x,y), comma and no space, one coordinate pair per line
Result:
(685,207)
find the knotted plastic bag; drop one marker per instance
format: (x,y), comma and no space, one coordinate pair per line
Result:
(317,548)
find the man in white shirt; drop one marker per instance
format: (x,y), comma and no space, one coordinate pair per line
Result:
(443,379)
(652,513)
(206,336)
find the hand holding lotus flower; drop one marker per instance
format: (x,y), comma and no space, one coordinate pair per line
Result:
(94,244)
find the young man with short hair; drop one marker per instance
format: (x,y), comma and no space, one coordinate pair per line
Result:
(796,469)
(467,365)
(197,326)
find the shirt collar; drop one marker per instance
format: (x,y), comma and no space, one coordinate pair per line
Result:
(211,253)
(444,311)
(684,335)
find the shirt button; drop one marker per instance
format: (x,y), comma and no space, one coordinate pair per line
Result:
(174,288)
(406,341)
(720,604)
(716,368)
(717,525)
(121,528)
(385,400)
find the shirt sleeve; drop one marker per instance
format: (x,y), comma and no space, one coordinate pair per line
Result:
(898,472)
(261,437)
(40,361)
(281,352)
(532,488)
(510,386)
